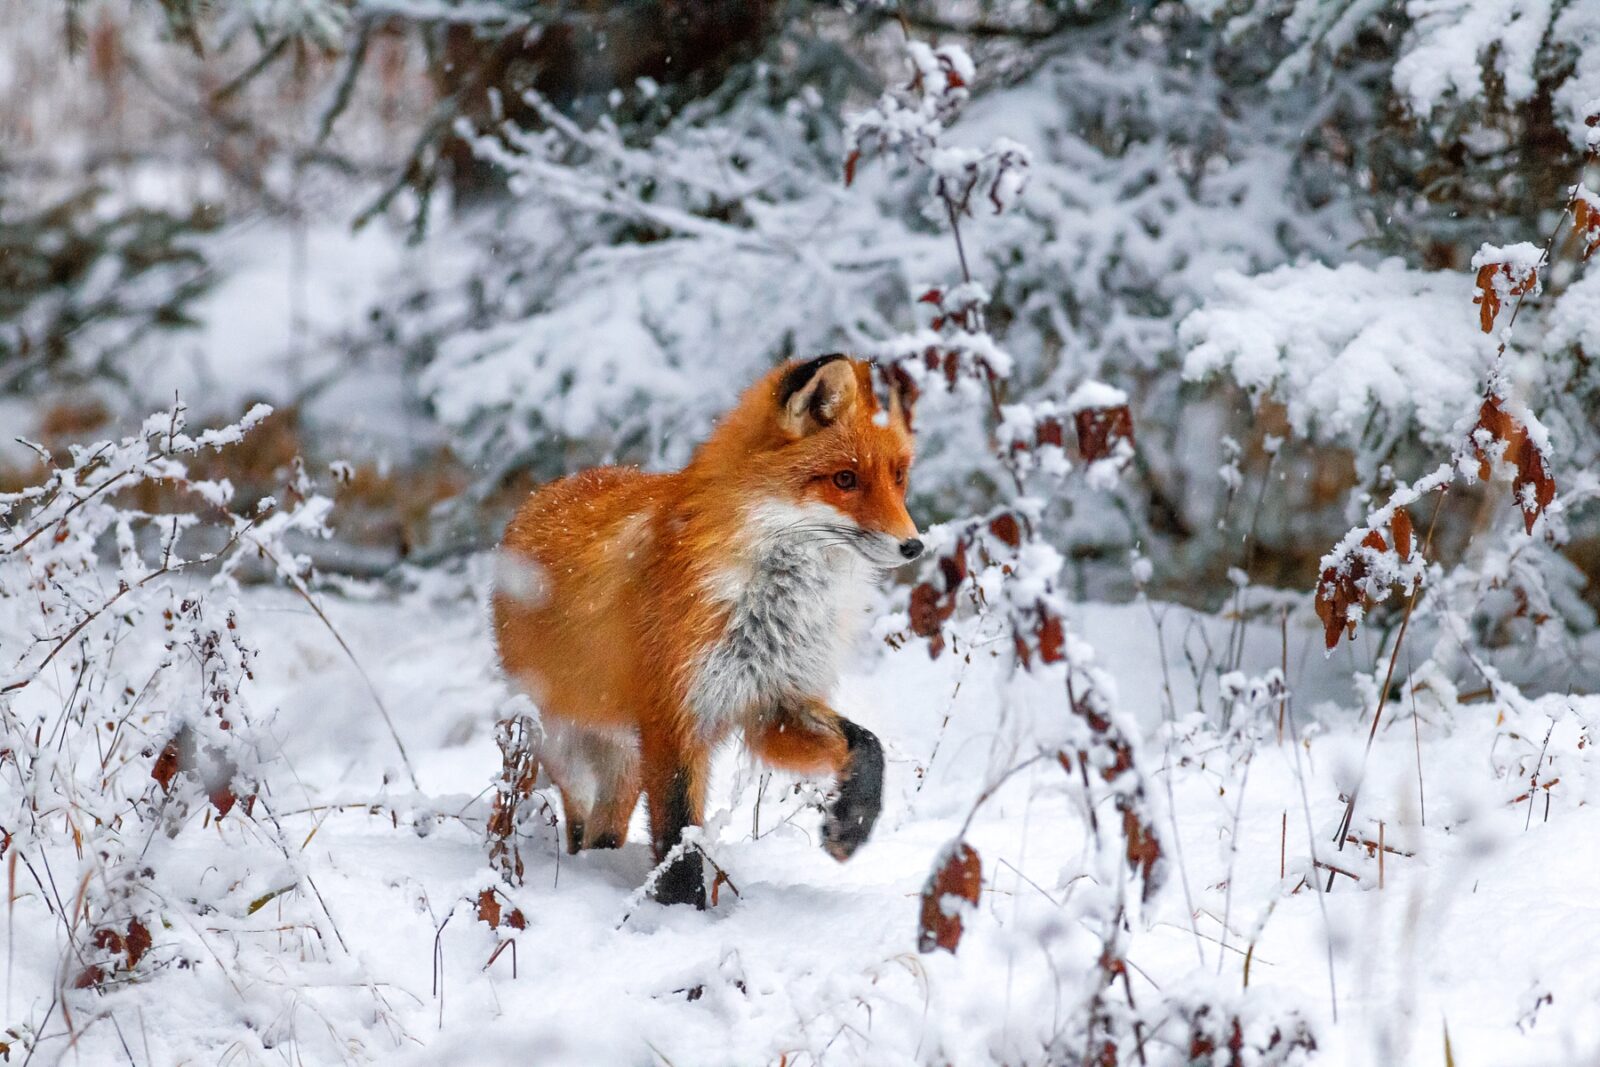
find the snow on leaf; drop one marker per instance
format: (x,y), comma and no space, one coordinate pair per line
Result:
(957,878)
(1500,437)
(1102,431)
(1504,272)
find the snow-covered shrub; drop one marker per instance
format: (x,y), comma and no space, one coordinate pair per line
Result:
(127,733)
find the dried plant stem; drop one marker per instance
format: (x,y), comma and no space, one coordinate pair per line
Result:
(1233,854)
(1311,842)
(1416,738)
(1388,680)
(1172,801)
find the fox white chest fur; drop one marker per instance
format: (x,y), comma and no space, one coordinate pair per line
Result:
(797,602)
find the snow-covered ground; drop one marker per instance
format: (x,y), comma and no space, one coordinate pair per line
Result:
(364,943)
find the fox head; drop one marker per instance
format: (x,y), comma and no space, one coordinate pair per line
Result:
(818,456)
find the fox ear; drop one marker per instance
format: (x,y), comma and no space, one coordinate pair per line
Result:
(816,394)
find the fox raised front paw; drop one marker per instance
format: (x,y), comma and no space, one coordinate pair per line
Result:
(851,815)
(683,882)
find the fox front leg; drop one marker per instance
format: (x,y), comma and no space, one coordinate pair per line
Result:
(808,737)
(851,815)
(675,767)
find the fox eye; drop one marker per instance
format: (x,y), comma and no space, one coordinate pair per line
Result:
(845,479)
(900,476)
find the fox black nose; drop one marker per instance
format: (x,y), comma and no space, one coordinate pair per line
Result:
(911,548)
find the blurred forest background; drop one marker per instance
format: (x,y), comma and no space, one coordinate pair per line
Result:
(462,247)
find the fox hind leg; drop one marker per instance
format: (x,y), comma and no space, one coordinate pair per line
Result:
(609,818)
(597,772)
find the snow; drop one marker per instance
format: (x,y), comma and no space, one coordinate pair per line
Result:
(1092,395)
(1522,259)
(817,958)
(1338,344)
(1448,41)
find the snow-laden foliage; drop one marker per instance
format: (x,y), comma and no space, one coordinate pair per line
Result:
(1452,56)
(128,734)
(1366,357)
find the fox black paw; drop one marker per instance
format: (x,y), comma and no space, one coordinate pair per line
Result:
(851,815)
(683,882)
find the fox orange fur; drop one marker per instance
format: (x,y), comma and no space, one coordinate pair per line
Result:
(652,615)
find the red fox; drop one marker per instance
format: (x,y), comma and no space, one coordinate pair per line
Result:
(651,615)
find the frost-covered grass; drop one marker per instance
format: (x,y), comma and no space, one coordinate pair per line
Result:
(363,943)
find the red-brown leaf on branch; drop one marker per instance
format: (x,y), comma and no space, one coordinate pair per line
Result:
(1517,282)
(1052,637)
(489,907)
(929,609)
(952,369)
(1374,540)
(1400,527)
(903,391)
(166,766)
(1586,219)
(850,162)
(1498,425)
(1338,591)
(1487,299)
(1005,527)
(1144,851)
(108,939)
(1100,430)
(1050,432)
(958,878)
(953,567)
(222,799)
(1532,488)
(137,942)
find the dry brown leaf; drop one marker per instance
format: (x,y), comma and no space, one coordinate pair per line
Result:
(1100,430)
(166,766)
(137,942)
(489,907)
(1400,527)
(1143,851)
(1052,637)
(1532,488)
(1487,299)
(959,877)
(1005,527)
